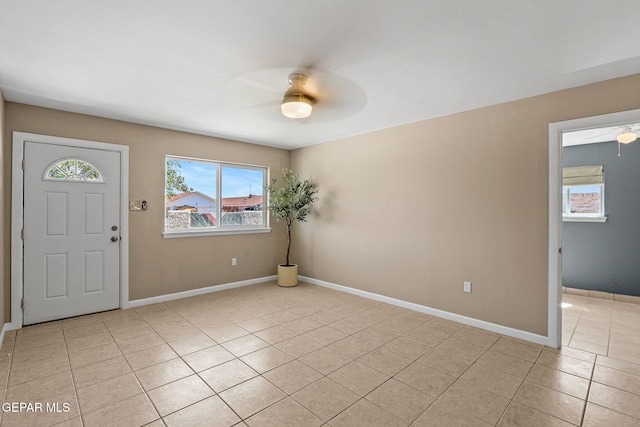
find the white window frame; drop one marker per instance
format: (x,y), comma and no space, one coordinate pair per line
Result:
(220,230)
(583,217)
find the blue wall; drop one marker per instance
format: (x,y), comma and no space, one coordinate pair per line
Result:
(606,256)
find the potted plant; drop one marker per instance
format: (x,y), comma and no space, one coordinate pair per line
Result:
(291,202)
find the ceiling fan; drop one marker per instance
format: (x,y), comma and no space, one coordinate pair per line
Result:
(306,94)
(629,133)
(296,103)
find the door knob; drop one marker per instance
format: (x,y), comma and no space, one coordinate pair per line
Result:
(114,228)
(114,238)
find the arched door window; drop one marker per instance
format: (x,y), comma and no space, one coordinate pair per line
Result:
(73,170)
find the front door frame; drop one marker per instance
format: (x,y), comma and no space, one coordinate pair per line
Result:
(554,328)
(17,214)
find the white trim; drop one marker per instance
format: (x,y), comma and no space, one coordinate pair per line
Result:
(554,334)
(6,327)
(17,213)
(221,232)
(584,218)
(199,291)
(263,228)
(500,329)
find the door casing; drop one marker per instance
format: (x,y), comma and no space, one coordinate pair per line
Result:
(17,214)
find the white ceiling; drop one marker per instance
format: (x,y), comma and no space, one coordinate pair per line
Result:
(597,135)
(220,67)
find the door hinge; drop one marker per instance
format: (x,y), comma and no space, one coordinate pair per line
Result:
(22,303)
(560,251)
(22,234)
(22,164)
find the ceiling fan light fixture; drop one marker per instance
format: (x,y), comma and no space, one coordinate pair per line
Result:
(296,104)
(627,136)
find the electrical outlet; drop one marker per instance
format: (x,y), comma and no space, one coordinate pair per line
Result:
(467,286)
(233,261)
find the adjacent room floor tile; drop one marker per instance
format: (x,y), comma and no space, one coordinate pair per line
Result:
(523,416)
(612,398)
(551,402)
(596,416)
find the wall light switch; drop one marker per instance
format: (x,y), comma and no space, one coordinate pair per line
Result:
(233,261)
(467,286)
(135,205)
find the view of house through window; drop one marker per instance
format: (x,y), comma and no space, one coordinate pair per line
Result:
(582,200)
(583,192)
(202,195)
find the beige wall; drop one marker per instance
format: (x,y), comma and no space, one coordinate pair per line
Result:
(409,212)
(160,266)
(4,246)
(413,211)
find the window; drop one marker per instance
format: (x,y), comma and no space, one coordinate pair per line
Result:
(210,197)
(73,170)
(583,194)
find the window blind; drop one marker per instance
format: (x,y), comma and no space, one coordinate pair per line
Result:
(583,175)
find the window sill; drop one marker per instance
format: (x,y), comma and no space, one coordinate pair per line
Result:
(584,218)
(177,234)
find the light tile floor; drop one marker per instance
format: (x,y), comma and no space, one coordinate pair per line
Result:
(310,356)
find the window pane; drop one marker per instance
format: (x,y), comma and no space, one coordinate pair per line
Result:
(584,200)
(242,198)
(73,170)
(190,192)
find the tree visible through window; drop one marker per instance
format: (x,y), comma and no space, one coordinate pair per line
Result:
(204,195)
(73,170)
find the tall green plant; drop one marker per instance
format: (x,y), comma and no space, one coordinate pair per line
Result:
(292,201)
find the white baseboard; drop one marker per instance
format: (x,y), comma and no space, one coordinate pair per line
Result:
(6,327)
(199,291)
(500,329)
(493,327)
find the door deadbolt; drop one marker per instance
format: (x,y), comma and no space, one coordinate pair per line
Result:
(114,238)
(114,228)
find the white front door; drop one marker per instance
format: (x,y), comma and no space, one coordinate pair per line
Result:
(71,231)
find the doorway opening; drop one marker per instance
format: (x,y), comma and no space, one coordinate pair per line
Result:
(556,132)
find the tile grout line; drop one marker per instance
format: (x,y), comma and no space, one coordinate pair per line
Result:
(73,381)
(298,334)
